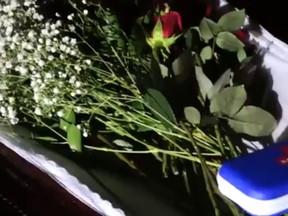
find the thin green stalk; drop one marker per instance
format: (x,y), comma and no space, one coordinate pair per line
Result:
(204,170)
(232,207)
(219,139)
(213,46)
(231,146)
(32,115)
(155,150)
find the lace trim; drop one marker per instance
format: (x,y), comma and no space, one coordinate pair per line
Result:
(69,182)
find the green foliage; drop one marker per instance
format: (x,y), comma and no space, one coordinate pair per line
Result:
(208,29)
(206,53)
(229,42)
(160,107)
(253,121)
(223,81)
(204,82)
(74,138)
(232,21)
(192,115)
(241,55)
(68,119)
(228,101)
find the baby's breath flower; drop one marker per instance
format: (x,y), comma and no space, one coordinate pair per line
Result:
(88,61)
(58,24)
(77,68)
(22,70)
(65,39)
(71,28)
(46,101)
(50,58)
(73,53)
(3,111)
(48,42)
(55,32)
(78,84)
(38,111)
(73,41)
(78,109)
(8,65)
(54,100)
(20,56)
(85,133)
(56,90)
(14,121)
(70,16)
(63,47)
(41,63)
(60,113)
(45,64)
(31,34)
(53,49)
(48,75)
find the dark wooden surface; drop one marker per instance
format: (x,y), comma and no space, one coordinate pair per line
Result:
(26,190)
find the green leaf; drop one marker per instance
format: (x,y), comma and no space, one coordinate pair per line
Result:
(122,143)
(245,62)
(142,128)
(228,101)
(219,84)
(253,121)
(241,55)
(68,118)
(164,70)
(46,138)
(232,21)
(209,120)
(138,105)
(156,73)
(160,107)
(192,115)
(229,42)
(158,30)
(192,37)
(206,53)
(208,29)
(183,66)
(204,82)
(74,138)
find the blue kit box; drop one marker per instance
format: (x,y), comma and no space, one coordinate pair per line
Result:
(258,182)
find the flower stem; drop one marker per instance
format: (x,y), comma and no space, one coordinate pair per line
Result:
(205,170)
(219,139)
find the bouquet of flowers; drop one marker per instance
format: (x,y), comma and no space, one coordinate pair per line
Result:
(164,89)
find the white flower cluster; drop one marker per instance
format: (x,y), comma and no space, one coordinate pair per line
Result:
(40,68)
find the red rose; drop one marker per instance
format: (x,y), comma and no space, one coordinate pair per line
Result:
(171,23)
(160,4)
(242,35)
(208,11)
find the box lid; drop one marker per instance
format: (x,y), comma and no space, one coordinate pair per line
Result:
(258,182)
